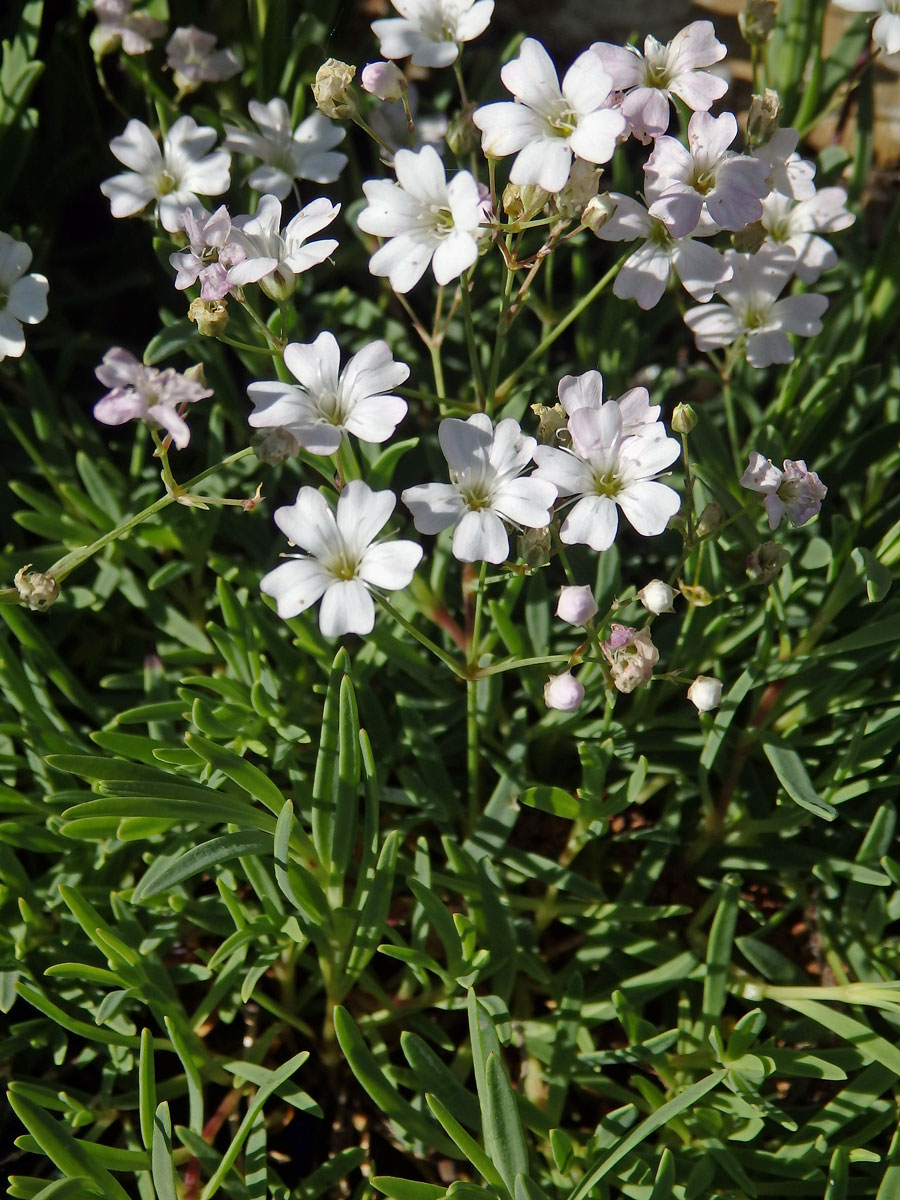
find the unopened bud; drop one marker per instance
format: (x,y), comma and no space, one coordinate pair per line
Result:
(332,89)
(597,211)
(273,446)
(551,423)
(279,285)
(695,594)
(711,519)
(210,316)
(766,561)
(657,597)
(534,547)
(563,692)
(37,591)
(705,693)
(463,136)
(576,605)
(749,239)
(758,20)
(579,190)
(684,418)
(384,80)
(522,200)
(762,119)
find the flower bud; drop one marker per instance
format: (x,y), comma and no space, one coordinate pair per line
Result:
(563,692)
(463,136)
(279,285)
(631,656)
(749,239)
(522,200)
(534,547)
(597,211)
(576,605)
(37,590)
(210,316)
(695,594)
(551,422)
(580,188)
(762,119)
(711,519)
(757,21)
(684,419)
(765,563)
(274,445)
(332,89)
(705,693)
(384,80)
(657,597)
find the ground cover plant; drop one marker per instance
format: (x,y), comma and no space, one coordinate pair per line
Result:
(448,648)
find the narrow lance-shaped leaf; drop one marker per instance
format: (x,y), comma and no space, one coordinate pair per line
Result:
(162,1168)
(327,774)
(504,1138)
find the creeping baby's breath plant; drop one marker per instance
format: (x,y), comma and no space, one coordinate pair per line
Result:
(442,753)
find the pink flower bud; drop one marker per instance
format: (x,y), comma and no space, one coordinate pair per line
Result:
(563,692)
(705,693)
(657,597)
(576,605)
(384,80)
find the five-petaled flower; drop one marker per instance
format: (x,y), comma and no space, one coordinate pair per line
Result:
(432,30)
(795,491)
(306,152)
(23,298)
(274,257)
(146,394)
(341,562)
(173,176)
(327,402)
(487,487)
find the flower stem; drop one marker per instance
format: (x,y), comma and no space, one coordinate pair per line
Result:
(448,659)
(473,750)
(471,339)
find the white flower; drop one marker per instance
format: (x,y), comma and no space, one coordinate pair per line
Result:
(146,394)
(752,307)
(606,468)
(645,274)
(576,605)
(788,173)
(886,30)
(329,402)
(432,30)
(340,564)
(795,492)
(549,124)
(797,226)
(651,79)
(563,692)
(275,256)
(191,54)
(425,219)
(657,596)
(705,693)
(173,177)
(304,153)
(705,175)
(118,25)
(486,488)
(23,298)
(640,418)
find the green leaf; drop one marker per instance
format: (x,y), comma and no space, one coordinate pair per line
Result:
(249,778)
(147,1090)
(434,1076)
(164,875)
(296,882)
(792,775)
(469,1148)
(553,800)
(376,903)
(504,1138)
(67,1153)
(162,1168)
(406,1189)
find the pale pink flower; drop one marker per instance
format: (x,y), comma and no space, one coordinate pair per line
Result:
(794,492)
(648,81)
(788,173)
(117,25)
(752,309)
(306,152)
(549,124)
(486,488)
(341,562)
(173,176)
(146,394)
(631,655)
(384,80)
(798,225)
(640,418)
(705,175)
(191,53)
(209,255)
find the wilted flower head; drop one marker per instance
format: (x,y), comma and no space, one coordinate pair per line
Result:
(23,298)
(648,81)
(550,123)
(191,53)
(705,693)
(173,176)
(432,30)
(576,605)
(306,152)
(563,692)
(631,656)
(146,394)
(766,561)
(794,491)
(332,91)
(341,562)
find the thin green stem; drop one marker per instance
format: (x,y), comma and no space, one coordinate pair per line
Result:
(473,749)
(247,347)
(471,340)
(457,668)
(558,329)
(491,394)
